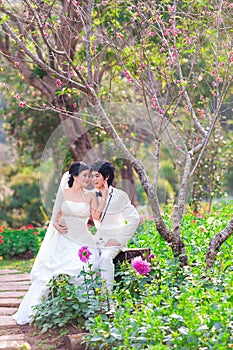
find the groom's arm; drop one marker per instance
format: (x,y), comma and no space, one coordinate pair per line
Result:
(59,223)
(131,217)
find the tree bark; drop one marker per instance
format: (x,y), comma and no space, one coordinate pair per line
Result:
(129,185)
(216,243)
(75,341)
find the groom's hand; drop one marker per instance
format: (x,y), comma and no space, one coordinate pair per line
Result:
(112,243)
(60,226)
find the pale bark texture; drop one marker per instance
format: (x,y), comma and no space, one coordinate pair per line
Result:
(216,242)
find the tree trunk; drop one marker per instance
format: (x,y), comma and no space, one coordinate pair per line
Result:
(171,237)
(75,341)
(129,185)
(79,140)
(216,243)
(178,247)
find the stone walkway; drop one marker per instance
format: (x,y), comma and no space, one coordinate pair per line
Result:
(13,286)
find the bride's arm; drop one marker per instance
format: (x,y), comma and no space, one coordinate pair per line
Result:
(59,224)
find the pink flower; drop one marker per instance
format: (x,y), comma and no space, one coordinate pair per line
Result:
(132,151)
(58,82)
(141,266)
(119,35)
(84,254)
(127,75)
(74,105)
(22,104)
(16,64)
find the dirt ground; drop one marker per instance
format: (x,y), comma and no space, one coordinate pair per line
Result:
(51,340)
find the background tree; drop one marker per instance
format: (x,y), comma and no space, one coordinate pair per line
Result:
(210,179)
(177,56)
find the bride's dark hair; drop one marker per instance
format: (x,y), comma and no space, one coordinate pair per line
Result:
(74,170)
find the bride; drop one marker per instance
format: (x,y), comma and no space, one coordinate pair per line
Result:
(58,253)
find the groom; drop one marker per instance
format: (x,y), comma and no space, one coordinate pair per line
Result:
(117,220)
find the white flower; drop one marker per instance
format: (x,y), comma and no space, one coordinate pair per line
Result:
(210,220)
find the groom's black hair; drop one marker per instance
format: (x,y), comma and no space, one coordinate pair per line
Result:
(105,168)
(74,170)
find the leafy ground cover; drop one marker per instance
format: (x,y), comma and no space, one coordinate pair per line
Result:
(20,243)
(163,307)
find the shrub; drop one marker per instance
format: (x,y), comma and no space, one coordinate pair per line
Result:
(20,204)
(18,242)
(72,299)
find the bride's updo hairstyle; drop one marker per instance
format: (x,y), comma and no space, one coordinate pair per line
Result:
(75,169)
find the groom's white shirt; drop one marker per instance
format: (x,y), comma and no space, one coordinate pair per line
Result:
(119,221)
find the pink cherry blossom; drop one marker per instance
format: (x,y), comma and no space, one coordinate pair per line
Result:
(58,82)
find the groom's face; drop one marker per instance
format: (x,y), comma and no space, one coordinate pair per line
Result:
(97,179)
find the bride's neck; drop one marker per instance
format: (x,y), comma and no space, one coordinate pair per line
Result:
(77,189)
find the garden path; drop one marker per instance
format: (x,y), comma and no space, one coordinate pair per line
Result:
(13,286)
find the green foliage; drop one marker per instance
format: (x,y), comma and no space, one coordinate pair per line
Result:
(28,130)
(21,204)
(20,242)
(39,72)
(71,299)
(213,175)
(167,171)
(185,309)
(171,307)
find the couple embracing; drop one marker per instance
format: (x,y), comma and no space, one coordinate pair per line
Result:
(115,219)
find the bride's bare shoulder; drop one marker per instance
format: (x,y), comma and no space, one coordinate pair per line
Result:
(89,193)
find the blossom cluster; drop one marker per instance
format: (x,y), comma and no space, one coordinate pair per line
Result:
(141,266)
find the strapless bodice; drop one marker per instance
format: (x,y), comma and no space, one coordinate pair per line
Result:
(76,215)
(76,209)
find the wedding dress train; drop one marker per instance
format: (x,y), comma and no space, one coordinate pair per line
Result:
(60,256)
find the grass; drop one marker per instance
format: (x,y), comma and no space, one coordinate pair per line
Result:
(23,266)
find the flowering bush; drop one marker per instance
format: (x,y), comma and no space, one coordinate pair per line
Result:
(68,302)
(141,266)
(18,242)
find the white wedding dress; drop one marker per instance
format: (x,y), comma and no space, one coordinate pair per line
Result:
(59,256)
